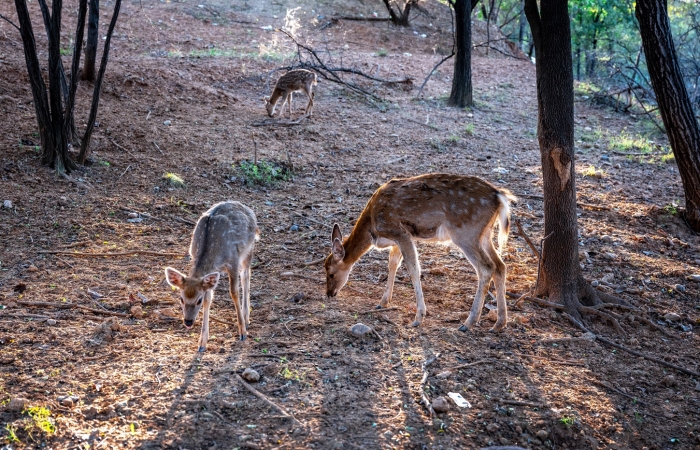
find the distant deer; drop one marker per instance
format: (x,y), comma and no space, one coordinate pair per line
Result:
(223,240)
(299,80)
(432,207)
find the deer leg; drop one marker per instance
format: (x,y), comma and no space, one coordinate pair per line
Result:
(410,255)
(245,284)
(204,335)
(499,280)
(483,266)
(310,105)
(394,263)
(233,286)
(289,103)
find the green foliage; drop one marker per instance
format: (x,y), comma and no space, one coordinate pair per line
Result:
(265,172)
(628,143)
(40,420)
(382,52)
(174,179)
(11,436)
(567,420)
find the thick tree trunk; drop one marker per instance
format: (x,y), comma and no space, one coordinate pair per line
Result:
(561,273)
(461,95)
(91,44)
(400,18)
(672,98)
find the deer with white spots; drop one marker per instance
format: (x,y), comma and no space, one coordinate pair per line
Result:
(299,80)
(223,240)
(432,207)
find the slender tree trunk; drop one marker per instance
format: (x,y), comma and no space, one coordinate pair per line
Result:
(92,37)
(521,29)
(561,274)
(672,98)
(400,18)
(461,95)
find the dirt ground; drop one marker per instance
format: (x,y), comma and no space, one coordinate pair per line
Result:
(181,94)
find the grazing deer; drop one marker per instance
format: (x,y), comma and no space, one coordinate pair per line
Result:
(432,207)
(299,80)
(223,240)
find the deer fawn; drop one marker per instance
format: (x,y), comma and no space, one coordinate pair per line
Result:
(299,80)
(432,207)
(223,240)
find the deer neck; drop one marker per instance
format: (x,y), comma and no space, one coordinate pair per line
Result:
(359,242)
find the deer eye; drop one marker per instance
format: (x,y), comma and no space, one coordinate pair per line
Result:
(199,302)
(331,275)
(182,301)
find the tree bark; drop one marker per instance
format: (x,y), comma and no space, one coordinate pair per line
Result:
(672,98)
(461,94)
(92,37)
(82,157)
(560,271)
(400,18)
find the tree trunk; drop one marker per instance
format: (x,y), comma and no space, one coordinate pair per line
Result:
(92,37)
(399,18)
(560,271)
(461,95)
(672,98)
(521,26)
(47,105)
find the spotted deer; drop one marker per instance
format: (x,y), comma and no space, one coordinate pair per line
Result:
(432,207)
(299,80)
(222,241)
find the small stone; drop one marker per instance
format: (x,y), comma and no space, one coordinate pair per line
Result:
(251,375)
(679,288)
(33,268)
(595,283)
(605,238)
(694,277)
(441,405)
(359,329)
(610,255)
(672,317)
(492,427)
(697,386)
(668,381)
(296,298)
(443,375)
(543,435)
(68,401)
(167,123)
(90,412)
(17,404)
(137,311)
(326,354)
(7,204)
(51,322)
(133,215)
(294,228)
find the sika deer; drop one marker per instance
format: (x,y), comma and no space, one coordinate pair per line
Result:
(432,207)
(223,240)
(299,80)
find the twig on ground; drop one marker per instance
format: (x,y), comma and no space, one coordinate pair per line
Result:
(418,122)
(420,91)
(363,19)
(387,320)
(590,205)
(279,123)
(260,396)
(621,347)
(123,149)
(96,357)
(25,316)
(527,239)
(75,244)
(314,262)
(614,389)
(588,337)
(378,310)
(544,303)
(299,275)
(564,362)
(72,305)
(225,322)
(471,364)
(312,220)
(516,402)
(100,255)
(423,396)
(158,148)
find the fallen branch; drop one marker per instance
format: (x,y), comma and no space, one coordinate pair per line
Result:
(101,255)
(590,205)
(621,347)
(376,310)
(614,389)
(420,91)
(279,123)
(423,396)
(260,396)
(72,305)
(516,402)
(364,19)
(25,316)
(527,239)
(225,322)
(314,262)
(312,220)
(418,122)
(564,362)
(298,275)
(539,301)
(585,338)
(471,364)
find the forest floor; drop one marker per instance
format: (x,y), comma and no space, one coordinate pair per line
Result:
(182,94)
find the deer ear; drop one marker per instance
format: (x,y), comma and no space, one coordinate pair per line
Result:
(173,277)
(336,233)
(338,250)
(210,281)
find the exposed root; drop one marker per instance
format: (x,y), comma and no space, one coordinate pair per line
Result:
(609,316)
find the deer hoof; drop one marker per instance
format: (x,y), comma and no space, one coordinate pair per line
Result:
(243,338)
(202,349)
(415,324)
(497,328)
(464,329)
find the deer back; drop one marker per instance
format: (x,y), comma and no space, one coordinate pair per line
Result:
(223,235)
